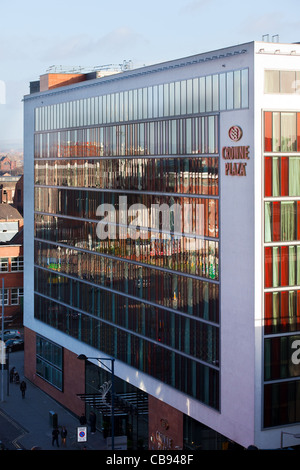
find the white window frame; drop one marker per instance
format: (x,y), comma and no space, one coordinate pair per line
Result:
(17,264)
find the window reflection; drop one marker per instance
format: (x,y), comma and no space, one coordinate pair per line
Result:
(278,353)
(182,136)
(281,221)
(282,132)
(135,351)
(141,318)
(156,295)
(281,403)
(281,256)
(174,175)
(171,99)
(282,81)
(163,287)
(282,311)
(229,89)
(185,254)
(282,266)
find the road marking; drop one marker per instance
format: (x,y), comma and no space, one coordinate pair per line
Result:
(17,426)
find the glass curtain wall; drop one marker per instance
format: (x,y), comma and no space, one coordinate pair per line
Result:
(152,299)
(281,266)
(207,94)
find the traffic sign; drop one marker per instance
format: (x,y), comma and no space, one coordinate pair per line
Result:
(82,434)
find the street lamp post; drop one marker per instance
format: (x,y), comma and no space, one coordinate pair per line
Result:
(82,357)
(297,436)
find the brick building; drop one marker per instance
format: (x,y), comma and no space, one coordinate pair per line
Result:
(18,195)
(7,165)
(11,270)
(8,188)
(11,263)
(11,222)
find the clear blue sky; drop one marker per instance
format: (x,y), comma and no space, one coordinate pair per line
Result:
(91,33)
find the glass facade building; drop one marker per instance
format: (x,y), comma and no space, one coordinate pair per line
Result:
(151,300)
(163,225)
(282,264)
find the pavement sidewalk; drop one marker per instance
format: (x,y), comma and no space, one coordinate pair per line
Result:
(31,416)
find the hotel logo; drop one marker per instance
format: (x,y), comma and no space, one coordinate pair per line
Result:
(231,154)
(235,133)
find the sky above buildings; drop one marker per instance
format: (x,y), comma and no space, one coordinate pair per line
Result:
(92,33)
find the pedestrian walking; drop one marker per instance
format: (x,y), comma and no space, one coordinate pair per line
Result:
(12,374)
(23,388)
(63,434)
(55,434)
(93,422)
(82,419)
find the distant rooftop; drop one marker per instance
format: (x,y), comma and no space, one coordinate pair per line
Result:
(17,239)
(58,76)
(8,212)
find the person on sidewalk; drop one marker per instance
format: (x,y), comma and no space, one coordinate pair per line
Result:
(12,374)
(23,388)
(63,434)
(55,434)
(82,419)
(93,422)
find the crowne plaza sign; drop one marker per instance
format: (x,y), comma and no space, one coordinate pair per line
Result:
(233,153)
(230,154)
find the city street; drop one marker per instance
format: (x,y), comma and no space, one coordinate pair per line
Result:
(25,423)
(10,432)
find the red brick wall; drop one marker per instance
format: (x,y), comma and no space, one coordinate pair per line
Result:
(12,279)
(74,376)
(165,426)
(56,80)
(18,197)
(7,251)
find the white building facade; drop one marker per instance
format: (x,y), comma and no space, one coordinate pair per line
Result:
(203,320)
